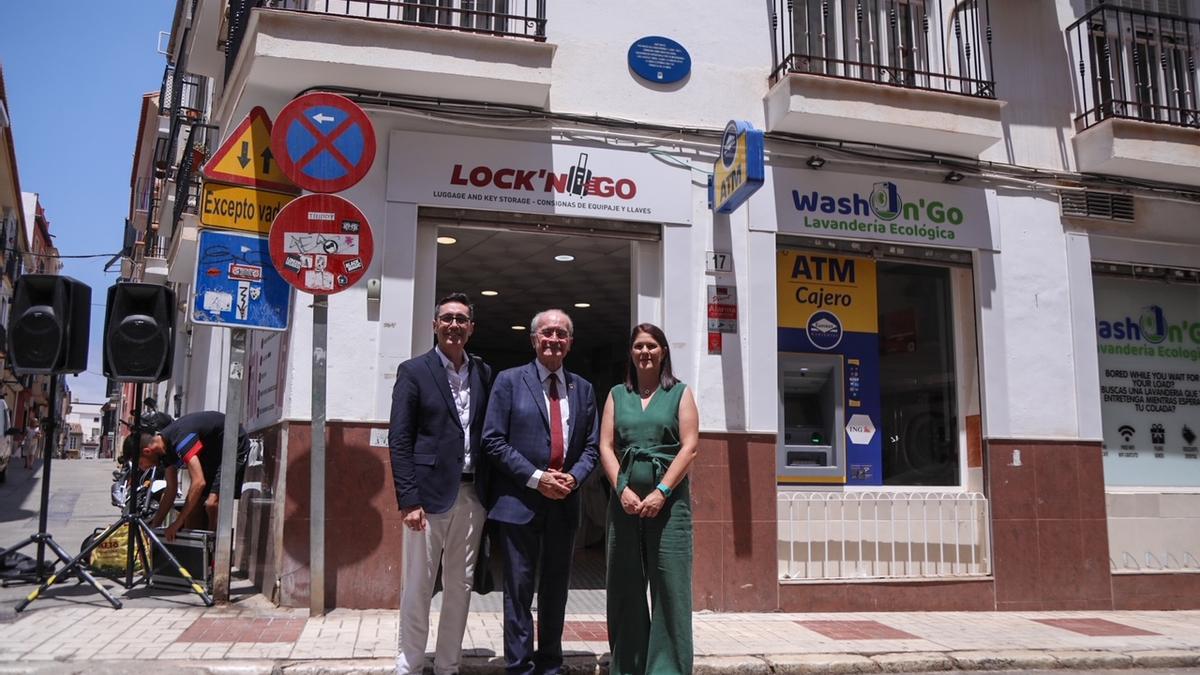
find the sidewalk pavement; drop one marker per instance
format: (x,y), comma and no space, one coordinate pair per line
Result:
(254,637)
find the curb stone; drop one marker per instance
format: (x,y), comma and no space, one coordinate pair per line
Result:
(1004,660)
(821,663)
(913,662)
(1084,660)
(735,665)
(332,667)
(227,668)
(586,664)
(1165,658)
(154,667)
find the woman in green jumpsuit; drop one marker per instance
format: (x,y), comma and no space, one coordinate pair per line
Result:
(648,439)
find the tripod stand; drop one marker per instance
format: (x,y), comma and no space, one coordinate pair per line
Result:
(136,526)
(41,574)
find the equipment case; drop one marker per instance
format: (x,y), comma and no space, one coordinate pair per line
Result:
(194,550)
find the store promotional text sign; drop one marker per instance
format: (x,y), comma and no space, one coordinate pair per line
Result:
(1148,339)
(818,203)
(488,174)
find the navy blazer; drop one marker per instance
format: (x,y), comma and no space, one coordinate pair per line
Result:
(426,437)
(516,437)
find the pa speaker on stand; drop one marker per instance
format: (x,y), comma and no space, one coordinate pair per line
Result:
(48,327)
(139,327)
(48,335)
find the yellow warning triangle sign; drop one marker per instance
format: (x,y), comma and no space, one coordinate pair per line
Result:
(245,157)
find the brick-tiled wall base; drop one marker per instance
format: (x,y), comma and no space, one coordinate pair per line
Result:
(1156,591)
(736,567)
(362,523)
(1049,529)
(1050,537)
(930,596)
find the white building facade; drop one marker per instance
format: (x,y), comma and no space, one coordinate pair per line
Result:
(946,357)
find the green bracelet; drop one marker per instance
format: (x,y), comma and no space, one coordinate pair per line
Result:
(662,487)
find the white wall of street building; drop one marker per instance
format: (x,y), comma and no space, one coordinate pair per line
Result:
(1027,361)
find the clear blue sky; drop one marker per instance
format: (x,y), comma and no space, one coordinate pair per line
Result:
(75,72)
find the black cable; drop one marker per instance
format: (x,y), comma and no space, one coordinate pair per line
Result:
(474,110)
(59,255)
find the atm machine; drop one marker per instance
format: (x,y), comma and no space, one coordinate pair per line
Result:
(812,448)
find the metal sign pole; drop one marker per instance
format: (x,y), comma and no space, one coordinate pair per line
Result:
(49,429)
(131,481)
(321,244)
(233,414)
(317,482)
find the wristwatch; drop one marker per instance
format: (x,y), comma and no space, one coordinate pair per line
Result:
(662,487)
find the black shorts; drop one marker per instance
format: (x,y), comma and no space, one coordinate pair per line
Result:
(213,483)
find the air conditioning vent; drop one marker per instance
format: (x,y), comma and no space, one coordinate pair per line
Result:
(1097,205)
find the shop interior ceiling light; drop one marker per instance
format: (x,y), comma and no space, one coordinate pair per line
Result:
(583,305)
(515,327)
(490,294)
(564,257)
(447,240)
(815,162)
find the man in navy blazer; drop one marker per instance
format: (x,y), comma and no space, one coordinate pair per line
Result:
(541,434)
(441,478)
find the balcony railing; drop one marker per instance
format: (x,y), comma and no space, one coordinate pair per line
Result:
(915,44)
(201,142)
(1135,65)
(12,266)
(155,246)
(827,536)
(182,93)
(504,18)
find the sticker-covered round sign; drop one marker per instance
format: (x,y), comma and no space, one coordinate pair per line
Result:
(321,244)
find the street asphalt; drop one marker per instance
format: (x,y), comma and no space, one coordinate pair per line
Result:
(80,501)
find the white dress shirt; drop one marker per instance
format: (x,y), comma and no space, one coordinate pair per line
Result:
(460,391)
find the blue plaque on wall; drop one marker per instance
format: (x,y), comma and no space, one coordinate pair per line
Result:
(659,59)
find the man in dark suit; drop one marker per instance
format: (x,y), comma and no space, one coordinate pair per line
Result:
(441,478)
(541,435)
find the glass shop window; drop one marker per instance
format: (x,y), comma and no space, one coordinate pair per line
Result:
(917,375)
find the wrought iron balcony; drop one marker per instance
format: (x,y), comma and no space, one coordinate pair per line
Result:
(155,246)
(916,44)
(201,142)
(504,18)
(182,93)
(13,266)
(1135,65)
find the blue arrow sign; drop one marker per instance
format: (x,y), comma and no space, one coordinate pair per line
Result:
(237,285)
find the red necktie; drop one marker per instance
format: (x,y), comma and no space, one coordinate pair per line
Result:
(556,429)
